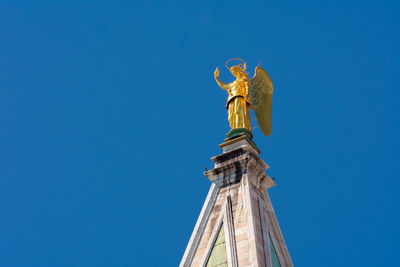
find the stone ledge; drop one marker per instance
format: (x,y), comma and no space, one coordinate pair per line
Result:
(232,165)
(241,141)
(228,174)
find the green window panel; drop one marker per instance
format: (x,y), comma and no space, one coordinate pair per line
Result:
(274,256)
(218,252)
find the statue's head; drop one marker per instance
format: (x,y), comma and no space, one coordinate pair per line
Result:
(239,70)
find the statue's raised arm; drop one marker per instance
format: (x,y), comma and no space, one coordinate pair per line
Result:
(221,84)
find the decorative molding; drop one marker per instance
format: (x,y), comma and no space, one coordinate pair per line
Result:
(213,238)
(199,227)
(276,235)
(248,192)
(265,233)
(261,180)
(225,218)
(231,165)
(230,231)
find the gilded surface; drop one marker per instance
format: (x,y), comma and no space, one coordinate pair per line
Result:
(245,94)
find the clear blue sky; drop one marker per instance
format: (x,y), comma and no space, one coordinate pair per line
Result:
(109,113)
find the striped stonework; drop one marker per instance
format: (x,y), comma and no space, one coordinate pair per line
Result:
(237,206)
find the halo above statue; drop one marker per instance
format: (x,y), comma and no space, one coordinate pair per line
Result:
(241,65)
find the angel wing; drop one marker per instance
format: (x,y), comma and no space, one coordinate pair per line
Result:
(260,93)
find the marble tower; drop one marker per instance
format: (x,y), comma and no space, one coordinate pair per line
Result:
(237,225)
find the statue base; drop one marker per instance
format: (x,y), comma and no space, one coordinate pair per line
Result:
(234,133)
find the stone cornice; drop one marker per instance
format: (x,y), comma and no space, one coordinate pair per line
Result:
(239,158)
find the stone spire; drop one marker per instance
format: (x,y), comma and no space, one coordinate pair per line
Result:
(237,225)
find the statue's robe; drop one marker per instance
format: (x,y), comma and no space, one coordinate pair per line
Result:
(238,104)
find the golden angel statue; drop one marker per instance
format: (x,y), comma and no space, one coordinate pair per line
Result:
(245,94)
